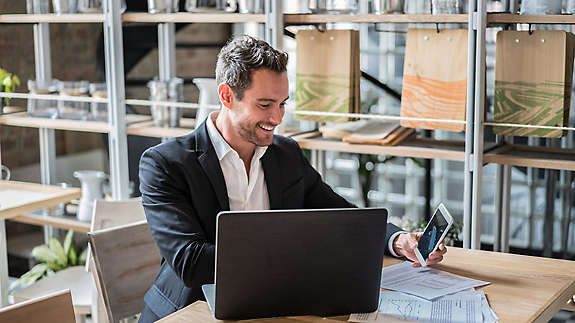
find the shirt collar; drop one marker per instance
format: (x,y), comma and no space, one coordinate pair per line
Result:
(221,146)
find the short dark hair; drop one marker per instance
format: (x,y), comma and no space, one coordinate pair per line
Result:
(241,56)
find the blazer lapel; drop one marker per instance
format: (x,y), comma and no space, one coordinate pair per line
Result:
(271,166)
(211,165)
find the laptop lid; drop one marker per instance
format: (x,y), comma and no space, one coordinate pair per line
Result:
(298,262)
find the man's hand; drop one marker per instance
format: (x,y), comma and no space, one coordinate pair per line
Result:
(405,244)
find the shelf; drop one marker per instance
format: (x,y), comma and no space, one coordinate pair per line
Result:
(495,18)
(537,157)
(60,222)
(186,17)
(18,198)
(417,148)
(22,119)
(147,129)
(52,18)
(372,18)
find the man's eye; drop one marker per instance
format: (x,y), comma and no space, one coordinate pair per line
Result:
(264,106)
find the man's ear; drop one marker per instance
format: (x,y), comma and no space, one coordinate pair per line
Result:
(226,95)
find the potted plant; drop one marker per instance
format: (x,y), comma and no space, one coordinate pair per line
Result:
(8,83)
(52,257)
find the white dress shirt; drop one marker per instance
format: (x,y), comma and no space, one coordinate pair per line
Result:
(247,193)
(244,192)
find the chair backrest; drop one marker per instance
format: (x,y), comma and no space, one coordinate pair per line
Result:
(54,307)
(127,260)
(109,214)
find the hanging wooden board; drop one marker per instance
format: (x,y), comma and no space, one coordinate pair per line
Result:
(533,75)
(435,78)
(326,67)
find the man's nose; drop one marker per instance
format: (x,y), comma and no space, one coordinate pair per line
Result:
(276,115)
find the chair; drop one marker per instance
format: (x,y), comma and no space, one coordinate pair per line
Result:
(54,307)
(126,260)
(109,214)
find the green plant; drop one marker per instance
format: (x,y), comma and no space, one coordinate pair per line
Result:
(8,82)
(53,257)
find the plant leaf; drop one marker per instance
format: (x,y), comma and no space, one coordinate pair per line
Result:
(44,254)
(30,276)
(73,255)
(68,241)
(56,247)
(83,256)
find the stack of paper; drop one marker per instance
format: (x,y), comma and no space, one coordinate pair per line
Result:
(468,306)
(431,295)
(368,132)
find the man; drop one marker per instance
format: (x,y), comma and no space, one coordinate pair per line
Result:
(233,161)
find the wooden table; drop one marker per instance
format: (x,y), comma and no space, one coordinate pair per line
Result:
(522,289)
(17,198)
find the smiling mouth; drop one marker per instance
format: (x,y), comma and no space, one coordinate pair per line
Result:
(266,128)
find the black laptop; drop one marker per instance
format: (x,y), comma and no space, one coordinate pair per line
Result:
(297,262)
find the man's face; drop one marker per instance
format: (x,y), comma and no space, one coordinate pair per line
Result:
(262,107)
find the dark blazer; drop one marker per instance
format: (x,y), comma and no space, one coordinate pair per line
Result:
(183,189)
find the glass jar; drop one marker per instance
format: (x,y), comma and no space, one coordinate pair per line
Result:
(65,6)
(73,109)
(37,6)
(43,108)
(176,94)
(99,111)
(388,6)
(159,92)
(446,7)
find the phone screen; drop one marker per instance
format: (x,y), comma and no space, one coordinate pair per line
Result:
(432,234)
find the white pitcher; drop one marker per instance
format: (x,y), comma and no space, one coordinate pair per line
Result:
(92,190)
(208,96)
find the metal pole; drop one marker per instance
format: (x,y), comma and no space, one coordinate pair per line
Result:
(114,53)
(505,208)
(3,265)
(167,50)
(549,222)
(498,208)
(468,172)
(274,23)
(481,22)
(47,139)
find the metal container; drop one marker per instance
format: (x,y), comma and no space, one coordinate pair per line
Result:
(443,7)
(163,6)
(212,5)
(388,6)
(90,6)
(163,91)
(43,108)
(417,7)
(99,111)
(65,6)
(37,6)
(541,7)
(333,6)
(175,94)
(73,109)
(251,6)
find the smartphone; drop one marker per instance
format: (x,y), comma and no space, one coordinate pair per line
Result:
(434,233)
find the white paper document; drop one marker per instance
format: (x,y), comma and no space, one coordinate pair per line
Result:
(425,282)
(463,307)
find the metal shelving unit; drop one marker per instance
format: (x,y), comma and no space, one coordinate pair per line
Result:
(474,152)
